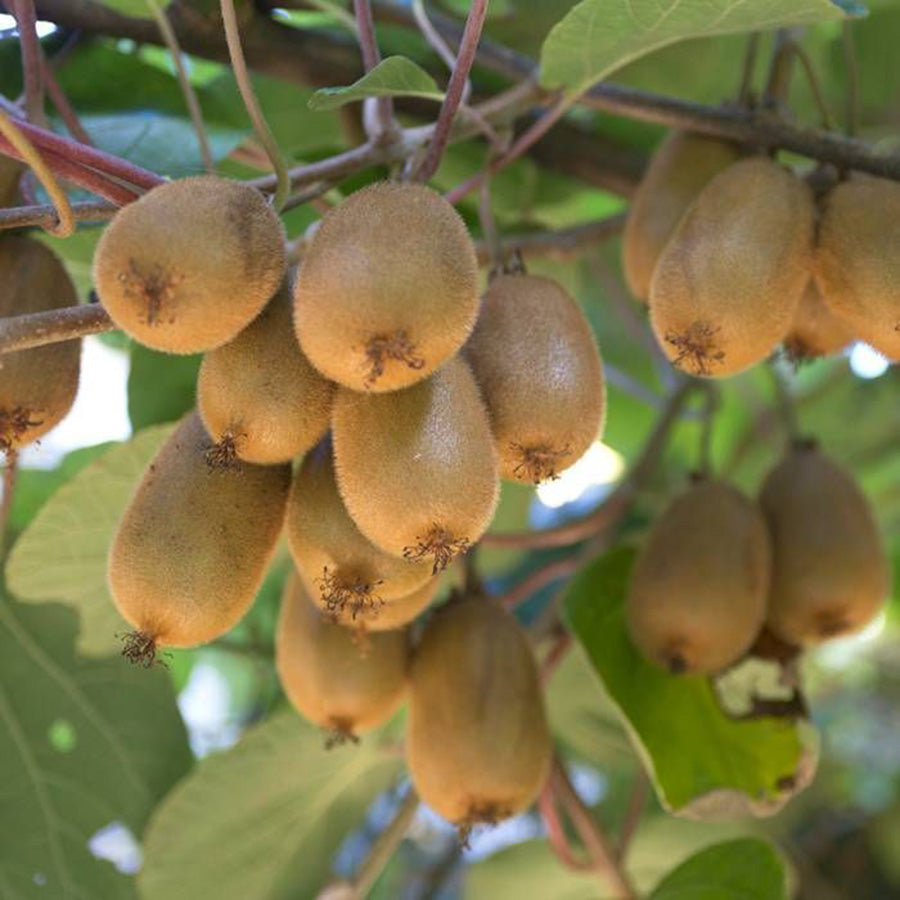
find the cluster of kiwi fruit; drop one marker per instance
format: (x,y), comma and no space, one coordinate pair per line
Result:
(805,563)
(736,254)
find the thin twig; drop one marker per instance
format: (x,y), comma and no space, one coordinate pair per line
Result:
(10,471)
(488,224)
(52,327)
(556,832)
(251,104)
(704,463)
(32,71)
(748,69)
(433,37)
(184,82)
(851,72)
(637,801)
(555,655)
(813,81)
(65,109)
(44,216)
(368,44)
(779,80)
(539,579)
(455,89)
(786,407)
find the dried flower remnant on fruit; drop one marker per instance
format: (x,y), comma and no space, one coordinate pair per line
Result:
(696,348)
(439,544)
(139,649)
(13,424)
(397,347)
(539,463)
(224,453)
(152,287)
(355,596)
(339,733)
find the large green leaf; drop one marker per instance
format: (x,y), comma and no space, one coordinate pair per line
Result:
(746,869)
(83,744)
(703,761)
(262,820)
(62,554)
(598,36)
(395,76)
(161,386)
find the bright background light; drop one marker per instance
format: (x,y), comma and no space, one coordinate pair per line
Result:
(866,362)
(600,465)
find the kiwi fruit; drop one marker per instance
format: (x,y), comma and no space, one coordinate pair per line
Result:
(697,596)
(678,171)
(37,386)
(536,362)
(11,171)
(190,264)
(388,288)
(478,745)
(858,259)
(726,287)
(259,397)
(830,573)
(816,330)
(347,574)
(333,679)
(417,468)
(193,544)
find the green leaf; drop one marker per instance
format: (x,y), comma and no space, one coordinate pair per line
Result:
(703,762)
(84,743)
(62,554)
(161,386)
(264,819)
(598,36)
(395,76)
(748,869)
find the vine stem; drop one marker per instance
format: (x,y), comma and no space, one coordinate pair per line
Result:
(852,72)
(637,801)
(465,57)
(706,428)
(63,106)
(556,833)
(786,407)
(368,44)
(32,56)
(814,84)
(538,579)
(44,215)
(52,326)
(748,69)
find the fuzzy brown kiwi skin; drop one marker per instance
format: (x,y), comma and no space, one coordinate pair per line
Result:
(11,172)
(345,684)
(830,574)
(259,396)
(478,746)
(816,331)
(697,597)
(388,288)
(37,386)
(680,168)
(536,362)
(417,468)
(727,285)
(194,543)
(858,259)
(346,573)
(191,263)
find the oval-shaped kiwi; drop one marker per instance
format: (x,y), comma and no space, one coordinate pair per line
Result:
(347,573)
(37,386)
(338,681)
(478,746)
(858,259)
(816,330)
(678,171)
(194,543)
(388,288)
(830,574)
(536,362)
(417,468)
(726,287)
(259,397)
(697,597)
(191,263)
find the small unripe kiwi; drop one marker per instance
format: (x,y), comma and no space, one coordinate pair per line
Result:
(340,682)
(417,468)
(194,543)
(678,171)
(726,287)
(697,597)
(816,330)
(536,362)
(191,263)
(478,746)
(388,288)
(830,574)
(347,573)
(260,399)
(858,259)
(37,386)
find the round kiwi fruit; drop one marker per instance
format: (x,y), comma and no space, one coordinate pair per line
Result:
(478,746)
(260,399)
(417,468)
(858,259)
(697,597)
(348,575)
(388,288)
(816,331)
(830,574)
(191,263)
(678,171)
(726,287)
(536,362)
(37,386)
(336,680)
(193,545)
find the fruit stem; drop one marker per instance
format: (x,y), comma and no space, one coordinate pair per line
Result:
(851,123)
(32,56)
(751,52)
(786,407)
(713,398)
(368,44)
